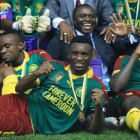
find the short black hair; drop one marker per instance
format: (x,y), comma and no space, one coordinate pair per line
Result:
(79,6)
(18,34)
(82,39)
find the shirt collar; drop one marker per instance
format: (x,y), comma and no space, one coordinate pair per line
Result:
(89,72)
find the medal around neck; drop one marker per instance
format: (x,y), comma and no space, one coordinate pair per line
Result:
(81,115)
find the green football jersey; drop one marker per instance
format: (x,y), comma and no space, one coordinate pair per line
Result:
(19,8)
(53,108)
(33,59)
(120,6)
(134,81)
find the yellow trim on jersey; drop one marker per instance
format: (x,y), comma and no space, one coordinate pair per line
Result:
(116,71)
(5,4)
(27,58)
(32,125)
(132,1)
(90,73)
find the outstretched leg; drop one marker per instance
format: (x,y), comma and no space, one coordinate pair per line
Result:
(131,108)
(14,115)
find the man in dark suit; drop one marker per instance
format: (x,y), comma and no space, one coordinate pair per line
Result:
(61,16)
(84,21)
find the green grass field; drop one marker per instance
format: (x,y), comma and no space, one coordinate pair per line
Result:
(107,135)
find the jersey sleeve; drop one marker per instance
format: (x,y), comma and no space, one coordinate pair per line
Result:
(120,63)
(44,56)
(101,86)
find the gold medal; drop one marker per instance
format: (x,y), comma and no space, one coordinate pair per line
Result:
(81,116)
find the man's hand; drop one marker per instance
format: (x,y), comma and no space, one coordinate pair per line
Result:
(27,22)
(109,37)
(67,32)
(97,96)
(1,31)
(120,27)
(44,69)
(129,29)
(137,31)
(44,22)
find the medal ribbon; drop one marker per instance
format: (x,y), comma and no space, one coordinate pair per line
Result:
(83,90)
(23,68)
(129,13)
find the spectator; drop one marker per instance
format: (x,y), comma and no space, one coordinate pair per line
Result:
(130,9)
(33,39)
(61,16)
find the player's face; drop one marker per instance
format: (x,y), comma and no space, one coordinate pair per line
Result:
(85,20)
(10,48)
(80,55)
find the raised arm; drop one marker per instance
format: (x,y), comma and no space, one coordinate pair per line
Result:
(6,24)
(97,119)
(119,81)
(29,81)
(57,16)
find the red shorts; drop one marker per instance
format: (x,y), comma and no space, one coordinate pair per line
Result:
(125,94)
(14,115)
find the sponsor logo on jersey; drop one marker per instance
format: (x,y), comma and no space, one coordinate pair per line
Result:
(133,9)
(33,67)
(38,7)
(78,92)
(42,52)
(57,77)
(69,83)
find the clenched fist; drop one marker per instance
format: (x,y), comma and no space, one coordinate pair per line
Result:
(97,96)
(44,69)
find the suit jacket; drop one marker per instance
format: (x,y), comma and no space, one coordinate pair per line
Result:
(109,53)
(64,9)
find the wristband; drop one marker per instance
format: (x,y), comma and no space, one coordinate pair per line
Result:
(15,25)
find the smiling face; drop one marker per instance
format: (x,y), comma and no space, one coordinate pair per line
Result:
(80,55)
(10,48)
(84,19)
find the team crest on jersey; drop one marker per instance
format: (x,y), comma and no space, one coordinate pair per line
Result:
(38,7)
(33,67)
(79,92)
(119,8)
(57,77)
(17,6)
